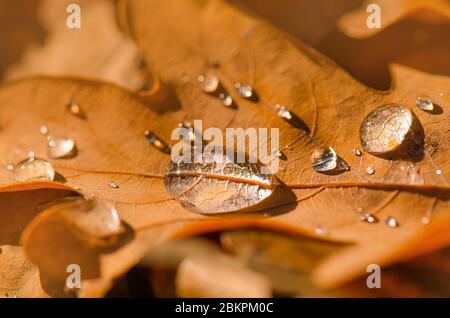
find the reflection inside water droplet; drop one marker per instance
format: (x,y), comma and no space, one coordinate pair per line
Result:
(32,169)
(60,147)
(218,185)
(385,129)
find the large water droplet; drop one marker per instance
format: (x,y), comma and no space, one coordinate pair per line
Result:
(425,103)
(385,129)
(32,169)
(209,83)
(60,147)
(93,217)
(218,185)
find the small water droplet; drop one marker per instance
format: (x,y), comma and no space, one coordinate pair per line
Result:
(289,147)
(75,109)
(438,172)
(425,103)
(357,152)
(244,90)
(33,169)
(113,185)
(209,83)
(321,230)
(425,220)
(370,170)
(9,167)
(43,130)
(369,218)
(360,210)
(227,100)
(384,129)
(31,154)
(283,112)
(156,142)
(327,160)
(391,222)
(60,147)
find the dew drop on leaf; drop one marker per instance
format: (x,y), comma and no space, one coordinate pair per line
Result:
(43,130)
(32,169)
(75,109)
(209,83)
(60,147)
(283,112)
(425,103)
(324,160)
(391,222)
(218,185)
(93,217)
(157,142)
(227,100)
(357,152)
(321,230)
(369,218)
(244,90)
(384,129)
(113,185)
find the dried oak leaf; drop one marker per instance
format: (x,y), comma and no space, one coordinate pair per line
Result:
(212,36)
(112,147)
(18,276)
(354,23)
(98,49)
(289,263)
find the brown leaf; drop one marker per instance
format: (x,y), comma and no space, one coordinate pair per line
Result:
(245,49)
(18,276)
(112,146)
(96,50)
(202,276)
